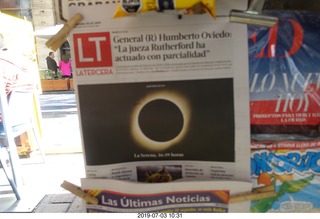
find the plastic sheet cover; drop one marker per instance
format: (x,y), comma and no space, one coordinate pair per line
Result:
(284,67)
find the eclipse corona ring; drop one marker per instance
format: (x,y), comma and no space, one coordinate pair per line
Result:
(160,120)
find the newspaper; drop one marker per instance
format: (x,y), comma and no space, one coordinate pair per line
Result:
(165,199)
(161,95)
(223,7)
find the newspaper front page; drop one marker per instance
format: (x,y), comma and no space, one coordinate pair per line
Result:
(161,94)
(164,200)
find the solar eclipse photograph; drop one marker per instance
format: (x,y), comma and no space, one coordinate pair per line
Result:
(166,120)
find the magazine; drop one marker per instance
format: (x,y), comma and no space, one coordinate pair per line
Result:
(284,96)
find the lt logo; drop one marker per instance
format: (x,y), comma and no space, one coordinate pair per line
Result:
(92,50)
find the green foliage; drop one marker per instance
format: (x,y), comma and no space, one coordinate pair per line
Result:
(48,75)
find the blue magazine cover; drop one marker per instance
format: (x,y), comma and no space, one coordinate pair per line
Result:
(284,68)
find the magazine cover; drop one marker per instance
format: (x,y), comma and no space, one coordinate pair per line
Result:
(292,168)
(284,91)
(284,75)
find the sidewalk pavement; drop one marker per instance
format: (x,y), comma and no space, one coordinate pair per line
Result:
(61,142)
(60,123)
(41,190)
(63,159)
